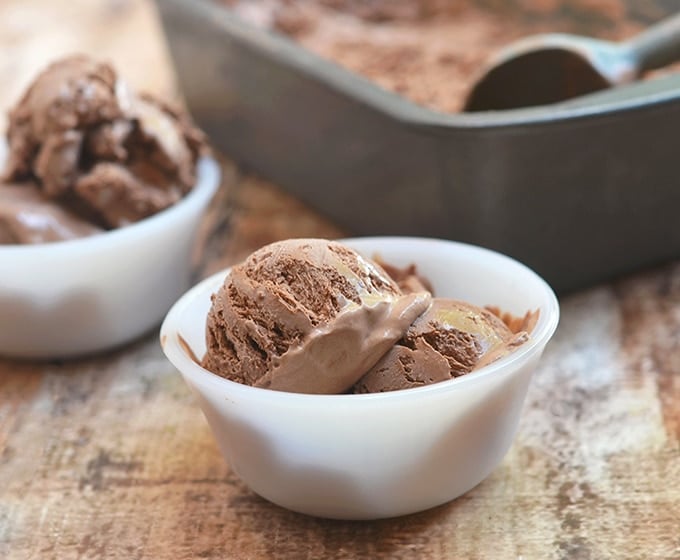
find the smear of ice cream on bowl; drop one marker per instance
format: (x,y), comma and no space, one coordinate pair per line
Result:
(374,455)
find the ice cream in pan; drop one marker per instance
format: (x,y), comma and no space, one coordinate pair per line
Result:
(314,316)
(87,154)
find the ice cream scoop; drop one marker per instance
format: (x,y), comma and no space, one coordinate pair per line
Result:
(554,67)
(307,316)
(98,149)
(314,316)
(450,339)
(28,217)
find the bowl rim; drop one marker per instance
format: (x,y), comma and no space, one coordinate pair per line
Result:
(189,368)
(208,178)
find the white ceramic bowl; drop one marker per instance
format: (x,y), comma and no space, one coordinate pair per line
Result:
(375,455)
(81,296)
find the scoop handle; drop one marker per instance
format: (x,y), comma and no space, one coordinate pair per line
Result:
(657,46)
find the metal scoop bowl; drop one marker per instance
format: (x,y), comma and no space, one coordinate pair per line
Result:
(549,68)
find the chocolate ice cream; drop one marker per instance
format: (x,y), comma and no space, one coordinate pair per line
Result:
(429,51)
(308,316)
(314,316)
(97,149)
(407,278)
(27,217)
(450,339)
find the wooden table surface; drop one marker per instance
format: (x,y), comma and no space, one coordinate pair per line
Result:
(110,457)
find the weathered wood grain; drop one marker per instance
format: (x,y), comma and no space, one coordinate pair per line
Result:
(109,457)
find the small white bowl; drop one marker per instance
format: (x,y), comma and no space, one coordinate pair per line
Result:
(375,455)
(81,296)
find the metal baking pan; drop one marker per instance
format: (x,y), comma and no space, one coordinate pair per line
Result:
(581,191)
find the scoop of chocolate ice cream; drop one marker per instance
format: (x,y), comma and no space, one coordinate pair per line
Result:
(307,316)
(450,339)
(91,144)
(47,126)
(28,217)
